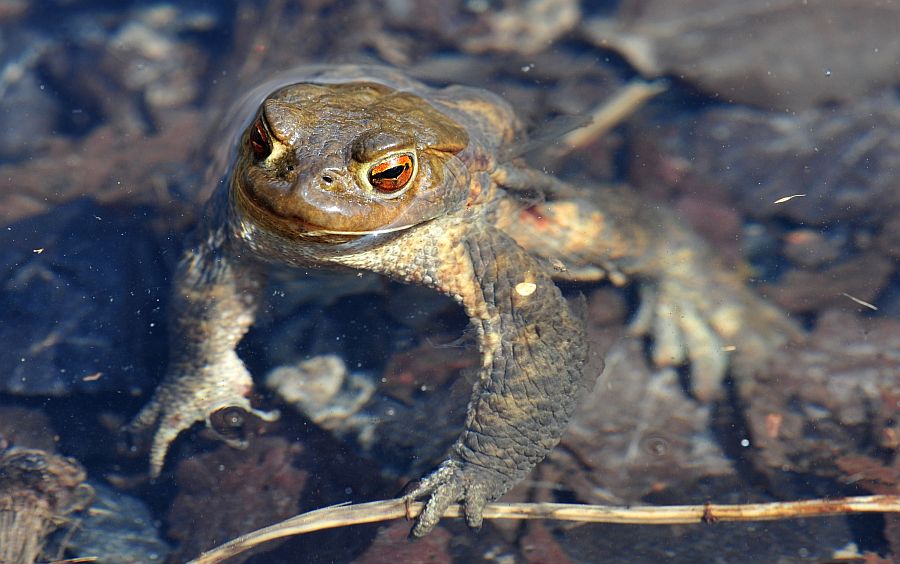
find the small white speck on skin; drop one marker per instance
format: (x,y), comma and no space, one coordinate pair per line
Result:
(745,443)
(525,289)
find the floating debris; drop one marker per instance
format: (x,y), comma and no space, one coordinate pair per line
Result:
(860,302)
(788,198)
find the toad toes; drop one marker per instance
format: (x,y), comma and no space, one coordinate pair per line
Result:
(362,168)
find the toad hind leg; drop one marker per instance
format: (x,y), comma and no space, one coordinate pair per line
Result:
(695,309)
(533,350)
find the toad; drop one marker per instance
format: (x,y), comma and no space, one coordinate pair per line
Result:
(362,168)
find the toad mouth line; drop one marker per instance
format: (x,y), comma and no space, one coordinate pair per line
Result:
(307,229)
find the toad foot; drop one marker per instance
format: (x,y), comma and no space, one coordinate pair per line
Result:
(455,482)
(215,394)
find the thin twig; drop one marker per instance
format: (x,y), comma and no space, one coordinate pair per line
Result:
(343,515)
(613,112)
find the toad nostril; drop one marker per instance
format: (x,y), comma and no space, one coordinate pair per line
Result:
(327,179)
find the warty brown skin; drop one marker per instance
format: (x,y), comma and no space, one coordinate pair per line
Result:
(362,168)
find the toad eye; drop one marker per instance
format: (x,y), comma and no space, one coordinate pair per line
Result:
(259,140)
(392,174)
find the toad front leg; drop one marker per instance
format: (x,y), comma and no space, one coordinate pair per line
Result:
(534,353)
(213,305)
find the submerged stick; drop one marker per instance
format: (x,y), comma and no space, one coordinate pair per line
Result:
(613,112)
(347,514)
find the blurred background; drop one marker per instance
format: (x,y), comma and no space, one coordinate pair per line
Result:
(115,128)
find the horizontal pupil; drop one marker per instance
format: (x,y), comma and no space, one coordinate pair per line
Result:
(393,172)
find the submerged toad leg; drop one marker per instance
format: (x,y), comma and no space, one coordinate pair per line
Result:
(213,305)
(533,349)
(691,304)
